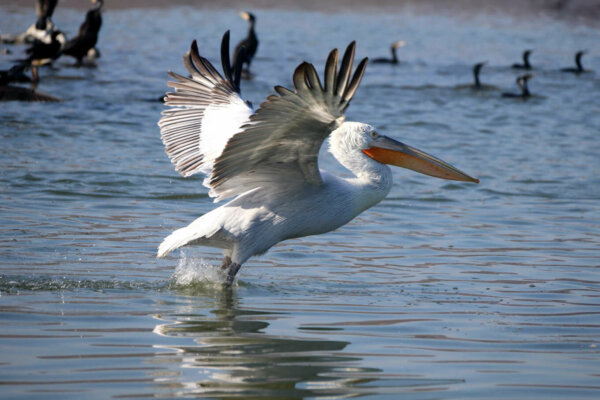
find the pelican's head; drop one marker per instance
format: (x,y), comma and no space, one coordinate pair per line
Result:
(248,16)
(352,137)
(399,43)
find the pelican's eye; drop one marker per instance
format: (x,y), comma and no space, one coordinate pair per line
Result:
(373,134)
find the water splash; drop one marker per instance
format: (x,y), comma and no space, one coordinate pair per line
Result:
(195,271)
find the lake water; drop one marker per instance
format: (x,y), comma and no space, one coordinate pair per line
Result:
(442,291)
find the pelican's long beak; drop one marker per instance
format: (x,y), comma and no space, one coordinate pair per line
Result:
(389,151)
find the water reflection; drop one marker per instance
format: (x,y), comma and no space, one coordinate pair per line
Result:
(234,355)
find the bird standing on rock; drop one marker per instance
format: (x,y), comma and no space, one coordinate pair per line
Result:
(250,43)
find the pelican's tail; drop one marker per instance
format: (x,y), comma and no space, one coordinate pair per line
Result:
(203,231)
(175,240)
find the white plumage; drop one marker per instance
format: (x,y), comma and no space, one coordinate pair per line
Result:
(268,160)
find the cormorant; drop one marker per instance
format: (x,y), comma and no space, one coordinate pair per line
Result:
(394,59)
(40,30)
(579,68)
(82,45)
(522,82)
(526,64)
(18,93)
(476,68)
(250,43)
(45,8)
(14,74)
(40,53)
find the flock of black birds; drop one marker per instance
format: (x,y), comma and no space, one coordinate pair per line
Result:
(523,79)
(47,43)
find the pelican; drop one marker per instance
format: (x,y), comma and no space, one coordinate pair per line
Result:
(250,43)
(522,82)
(394,59)
(526,64)
(579,68)
(267,160)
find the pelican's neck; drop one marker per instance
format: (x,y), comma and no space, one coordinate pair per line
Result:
(372,179)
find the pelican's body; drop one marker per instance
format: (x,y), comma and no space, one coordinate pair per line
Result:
(267,159)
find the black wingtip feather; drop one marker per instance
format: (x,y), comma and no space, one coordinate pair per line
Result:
(299,77)
(355,82)
(331,71)
(313,78)
(345,69)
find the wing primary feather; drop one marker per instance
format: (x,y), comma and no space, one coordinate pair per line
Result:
(283,91)
(189,65)
(225,61)
(331,71)
(313,78)
(299,78)
(202,64)
(345,69)
(355,82)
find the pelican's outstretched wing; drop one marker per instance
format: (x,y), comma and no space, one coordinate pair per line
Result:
(207,111)
(280,144)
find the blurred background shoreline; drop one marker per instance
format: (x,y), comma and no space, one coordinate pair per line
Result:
(577,11)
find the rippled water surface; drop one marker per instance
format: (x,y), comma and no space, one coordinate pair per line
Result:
(442,291)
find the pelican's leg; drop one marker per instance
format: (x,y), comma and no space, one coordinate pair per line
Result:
(231,273)
(232,269)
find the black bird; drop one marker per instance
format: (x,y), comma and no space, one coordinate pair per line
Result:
(40,30)
(526,64)
(250,43)
(41,53)
(476,68)
(85,41)
(579,68)
(394,59)
(18,93)
(15,74)
(522,82)
(45,8)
